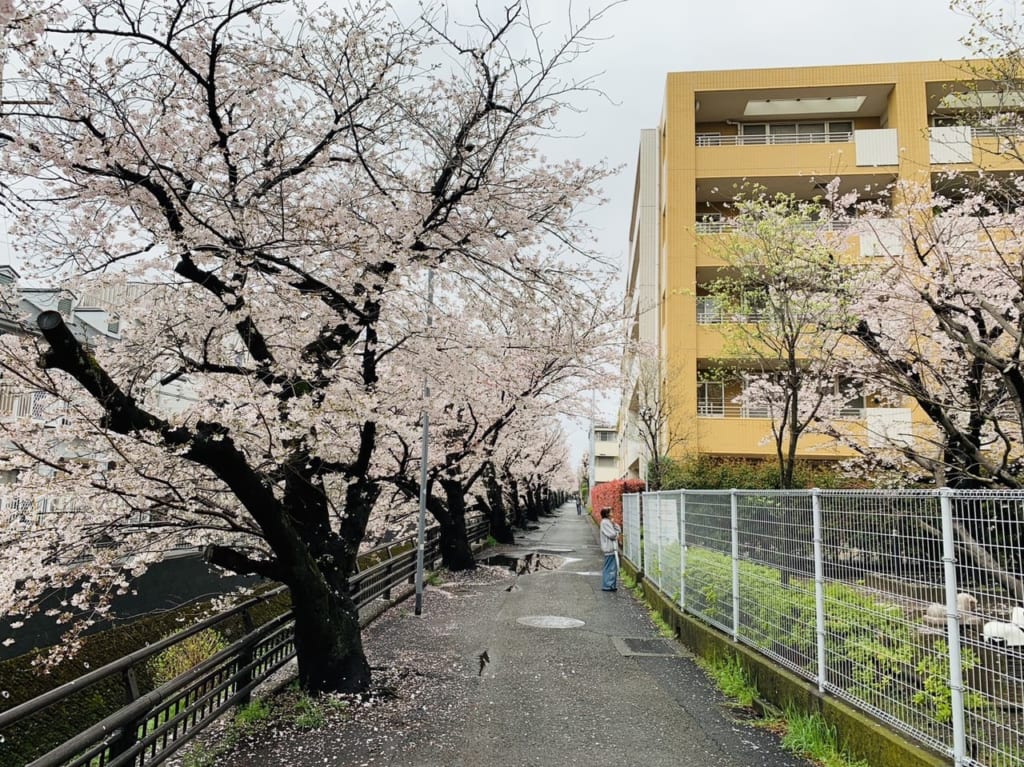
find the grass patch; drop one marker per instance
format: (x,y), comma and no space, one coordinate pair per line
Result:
(809,735)
(433,578)
(730,676)
(289,707)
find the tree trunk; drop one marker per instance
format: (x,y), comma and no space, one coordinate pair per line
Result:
(518,513)
(501,531)
(532,506)
(328,643)
(456,553)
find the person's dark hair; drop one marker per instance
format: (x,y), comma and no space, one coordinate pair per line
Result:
(606,512)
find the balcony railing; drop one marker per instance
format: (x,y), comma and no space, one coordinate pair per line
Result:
(725,225)
(710,313)
(832,137)
(719,409)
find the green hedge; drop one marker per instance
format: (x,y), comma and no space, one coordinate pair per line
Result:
(20,680)
(712,472)
(872,649)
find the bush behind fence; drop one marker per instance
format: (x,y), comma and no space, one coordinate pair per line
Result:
(904,603)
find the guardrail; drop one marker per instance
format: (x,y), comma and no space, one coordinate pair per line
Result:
(158,722)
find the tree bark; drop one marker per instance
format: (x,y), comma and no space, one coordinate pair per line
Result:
(501,531)
(328,643)
(456,553)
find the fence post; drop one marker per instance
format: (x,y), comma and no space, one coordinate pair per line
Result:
(956,682)
(643,534)
(247,656)
(129,735)
(661,551)
(681,521)
(735,535)
(819,588)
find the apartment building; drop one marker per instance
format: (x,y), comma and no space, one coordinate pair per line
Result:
(787,130)
(604,441)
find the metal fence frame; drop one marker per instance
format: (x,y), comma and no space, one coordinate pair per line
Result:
(155,724)
(727,555)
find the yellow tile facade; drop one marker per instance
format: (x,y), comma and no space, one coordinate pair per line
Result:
(708,146)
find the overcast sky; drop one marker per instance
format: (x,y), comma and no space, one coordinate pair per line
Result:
(648,38)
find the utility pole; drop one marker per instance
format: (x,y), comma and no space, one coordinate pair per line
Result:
(421,527)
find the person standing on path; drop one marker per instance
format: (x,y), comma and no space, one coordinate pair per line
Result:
(609,532)
(579,506)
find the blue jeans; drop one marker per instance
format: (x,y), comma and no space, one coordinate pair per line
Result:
(610,573)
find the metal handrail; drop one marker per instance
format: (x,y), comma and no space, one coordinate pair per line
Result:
(156,724)
(831,137)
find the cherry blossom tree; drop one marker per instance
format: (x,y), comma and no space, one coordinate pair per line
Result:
(279,176)
(783,295)
(941,325)
(501,357)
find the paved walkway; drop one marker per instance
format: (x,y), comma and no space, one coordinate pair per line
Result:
(474,681)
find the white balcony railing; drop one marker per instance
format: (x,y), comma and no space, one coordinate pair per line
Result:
(718,409)
(724,225)
(832,137)
(710,313)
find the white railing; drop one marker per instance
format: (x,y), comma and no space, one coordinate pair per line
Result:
(832,137)
(718,409)
(710,313)
(997,131)
(907,604)
(725,225)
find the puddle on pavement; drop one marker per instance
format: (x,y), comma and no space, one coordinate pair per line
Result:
(522,564)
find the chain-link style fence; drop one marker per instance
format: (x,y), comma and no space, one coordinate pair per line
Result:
(907,604)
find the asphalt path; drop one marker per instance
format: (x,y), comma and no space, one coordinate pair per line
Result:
(539,669)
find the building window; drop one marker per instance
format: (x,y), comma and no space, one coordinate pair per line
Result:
(606,462)
(606,436)
(710,399)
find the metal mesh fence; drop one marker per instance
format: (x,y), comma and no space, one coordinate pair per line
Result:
(908,604)
(631,527)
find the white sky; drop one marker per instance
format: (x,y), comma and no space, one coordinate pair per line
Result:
(649,38)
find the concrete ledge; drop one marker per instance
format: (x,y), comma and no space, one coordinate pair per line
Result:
(861,734)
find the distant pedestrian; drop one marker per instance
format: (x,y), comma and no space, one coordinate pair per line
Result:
(609,533)
(579,506)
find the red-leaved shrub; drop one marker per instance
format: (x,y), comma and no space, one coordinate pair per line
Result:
(610,494)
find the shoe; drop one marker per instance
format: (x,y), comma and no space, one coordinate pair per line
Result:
(609,589)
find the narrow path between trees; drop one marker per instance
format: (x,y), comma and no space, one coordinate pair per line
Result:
(487,677)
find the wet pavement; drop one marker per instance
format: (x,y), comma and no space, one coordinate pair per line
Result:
(527,664)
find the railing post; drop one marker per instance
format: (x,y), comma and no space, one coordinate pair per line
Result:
(129,734)
(735,535)
(956,683)
(681,520)
(245,660)
(643,534)
(661,550)
(819,588)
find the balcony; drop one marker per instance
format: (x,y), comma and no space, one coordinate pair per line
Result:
(719,409)
(829,137)
(710,313)
(719,226)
